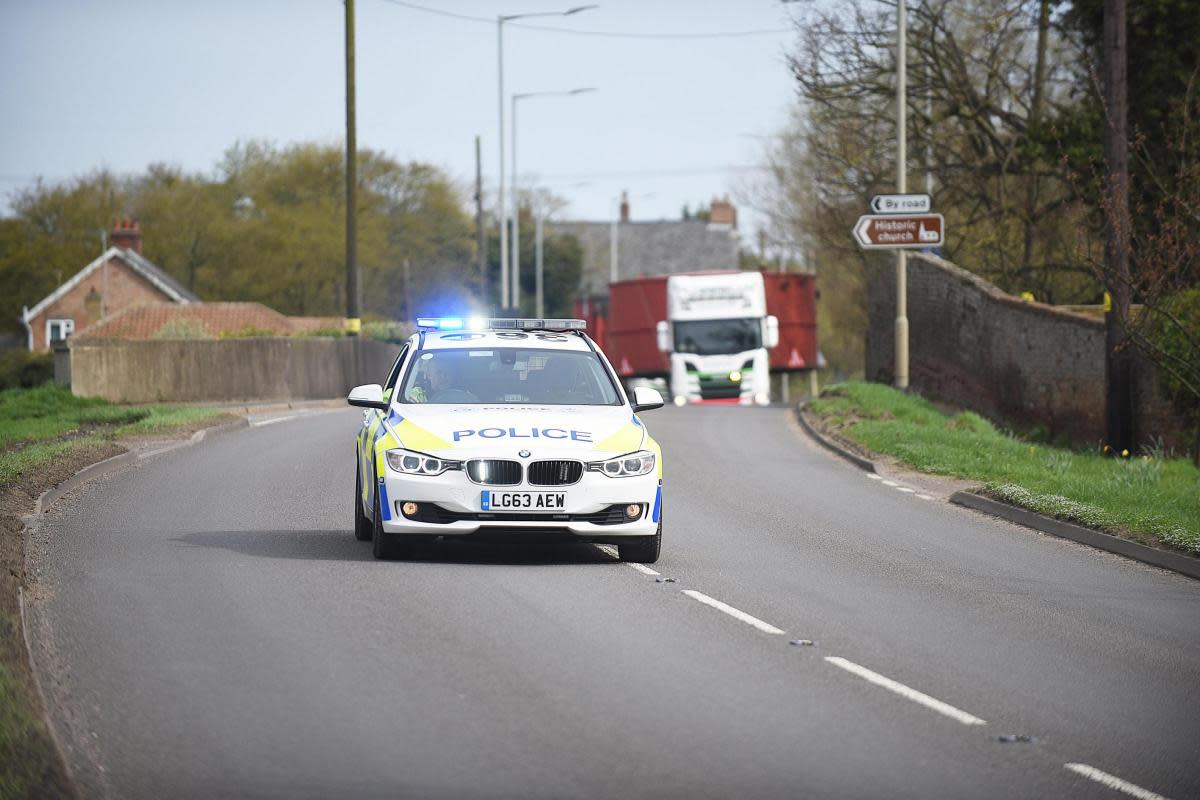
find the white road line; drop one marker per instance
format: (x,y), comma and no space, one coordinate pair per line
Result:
(890,483)
(904,691)
(1113,782)
(874,477)
(924,497)
(905,489)
(272,421)
(731,611)
(612,551)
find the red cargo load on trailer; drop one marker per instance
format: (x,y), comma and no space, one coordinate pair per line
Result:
(792,298)
(626,329)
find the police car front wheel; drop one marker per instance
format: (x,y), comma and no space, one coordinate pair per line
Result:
(642,549)
(386,545)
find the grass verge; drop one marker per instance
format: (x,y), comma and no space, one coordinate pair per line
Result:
(46,436)
(1149,498)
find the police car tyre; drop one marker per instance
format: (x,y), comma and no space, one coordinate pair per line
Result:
(363,530)
(386,545)
(642,549)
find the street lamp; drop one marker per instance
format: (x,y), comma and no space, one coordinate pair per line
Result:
(516,200)
(500,20)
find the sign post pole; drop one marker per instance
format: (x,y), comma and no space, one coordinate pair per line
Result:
(901,376)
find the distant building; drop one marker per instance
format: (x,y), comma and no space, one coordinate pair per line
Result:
(653,248)
(121,278)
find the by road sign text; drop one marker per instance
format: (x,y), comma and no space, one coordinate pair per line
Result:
(901,204)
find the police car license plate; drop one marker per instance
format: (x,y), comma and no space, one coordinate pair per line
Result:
(523,501)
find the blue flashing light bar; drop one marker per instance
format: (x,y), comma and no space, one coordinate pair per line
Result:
(510,324)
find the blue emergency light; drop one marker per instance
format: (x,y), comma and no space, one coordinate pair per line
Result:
(493,323)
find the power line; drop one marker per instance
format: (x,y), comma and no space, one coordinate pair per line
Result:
(606,34)
(652,173)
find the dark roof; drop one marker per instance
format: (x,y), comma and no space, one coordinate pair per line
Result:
(650,248)
(155,274)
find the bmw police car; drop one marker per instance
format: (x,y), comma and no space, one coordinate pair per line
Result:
(513,427)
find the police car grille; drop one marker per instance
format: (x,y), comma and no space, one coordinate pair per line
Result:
(494,471)
(555,473)
(428,512)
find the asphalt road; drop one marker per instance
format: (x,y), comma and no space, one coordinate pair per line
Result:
(207,626)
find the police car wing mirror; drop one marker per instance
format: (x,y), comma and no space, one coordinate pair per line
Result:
(771,331)
(367,396)
(663,333)
(645,399)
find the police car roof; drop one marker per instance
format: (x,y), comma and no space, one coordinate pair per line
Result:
(548,340)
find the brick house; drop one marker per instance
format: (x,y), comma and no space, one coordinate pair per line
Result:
(119,279)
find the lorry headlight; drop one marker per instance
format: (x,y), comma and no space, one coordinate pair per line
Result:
(638,463)
(735,376)
(413,463)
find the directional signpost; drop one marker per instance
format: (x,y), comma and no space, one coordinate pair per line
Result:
(890,231)
(901,204)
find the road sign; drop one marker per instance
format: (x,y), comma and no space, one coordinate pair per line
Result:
(888,231)
(901,204)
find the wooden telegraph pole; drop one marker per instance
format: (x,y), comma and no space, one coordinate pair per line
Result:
(353,322)
(1118,355)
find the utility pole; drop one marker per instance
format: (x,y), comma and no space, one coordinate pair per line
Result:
(902,188)
(480,240)
(1118,368)
(539,298)
(353,322)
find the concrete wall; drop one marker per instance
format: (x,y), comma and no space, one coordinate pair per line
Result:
(1027,364)
(223,370)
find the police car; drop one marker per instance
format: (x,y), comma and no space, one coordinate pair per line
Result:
(506,427)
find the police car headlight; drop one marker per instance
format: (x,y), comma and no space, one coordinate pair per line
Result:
(413,463)
(638,463)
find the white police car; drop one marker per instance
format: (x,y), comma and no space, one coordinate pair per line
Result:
(506,427)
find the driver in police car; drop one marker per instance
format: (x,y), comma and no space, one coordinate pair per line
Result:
(437,376)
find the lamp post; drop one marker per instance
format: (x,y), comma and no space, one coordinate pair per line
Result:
(500,20)
(516,200)
(901,187)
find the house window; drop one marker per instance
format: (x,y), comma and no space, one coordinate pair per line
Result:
(59,329)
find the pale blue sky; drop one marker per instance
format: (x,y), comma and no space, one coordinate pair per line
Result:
(123,84)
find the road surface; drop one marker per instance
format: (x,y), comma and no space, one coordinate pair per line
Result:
(206,626)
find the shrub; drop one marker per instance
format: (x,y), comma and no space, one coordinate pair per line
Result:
(182,329)
(21,369)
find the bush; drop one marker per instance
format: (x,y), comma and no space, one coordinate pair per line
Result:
(182,329)
(21,369)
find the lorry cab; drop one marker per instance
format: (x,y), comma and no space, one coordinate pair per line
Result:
(717,333)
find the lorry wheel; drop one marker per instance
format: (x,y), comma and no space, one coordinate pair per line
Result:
(642,549)
(362,526)
(386,545)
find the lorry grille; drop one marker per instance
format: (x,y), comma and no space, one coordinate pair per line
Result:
(494,471)
(555,473)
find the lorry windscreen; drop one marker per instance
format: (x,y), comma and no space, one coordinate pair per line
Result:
(710,337)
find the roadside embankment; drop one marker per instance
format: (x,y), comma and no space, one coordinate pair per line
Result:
(1150,497)
(47,436)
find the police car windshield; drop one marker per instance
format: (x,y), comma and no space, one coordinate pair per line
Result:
(711,337)
(500,375)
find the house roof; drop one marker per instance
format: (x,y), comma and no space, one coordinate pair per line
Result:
(665,247)
(138,263)
(173,320)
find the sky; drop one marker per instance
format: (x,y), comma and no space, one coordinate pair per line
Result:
(123,84)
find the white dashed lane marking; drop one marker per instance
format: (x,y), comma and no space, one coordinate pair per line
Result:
(731,611)
(642,568)
(904,691)
(890,483)
(1113,782)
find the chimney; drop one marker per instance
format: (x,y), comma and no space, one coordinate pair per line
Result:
(624,206)
(127,235)
(722,212)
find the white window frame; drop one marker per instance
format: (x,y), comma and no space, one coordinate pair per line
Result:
(67,326)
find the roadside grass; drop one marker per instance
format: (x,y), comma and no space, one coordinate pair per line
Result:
(46,435)
(41,424)
(1149,497)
